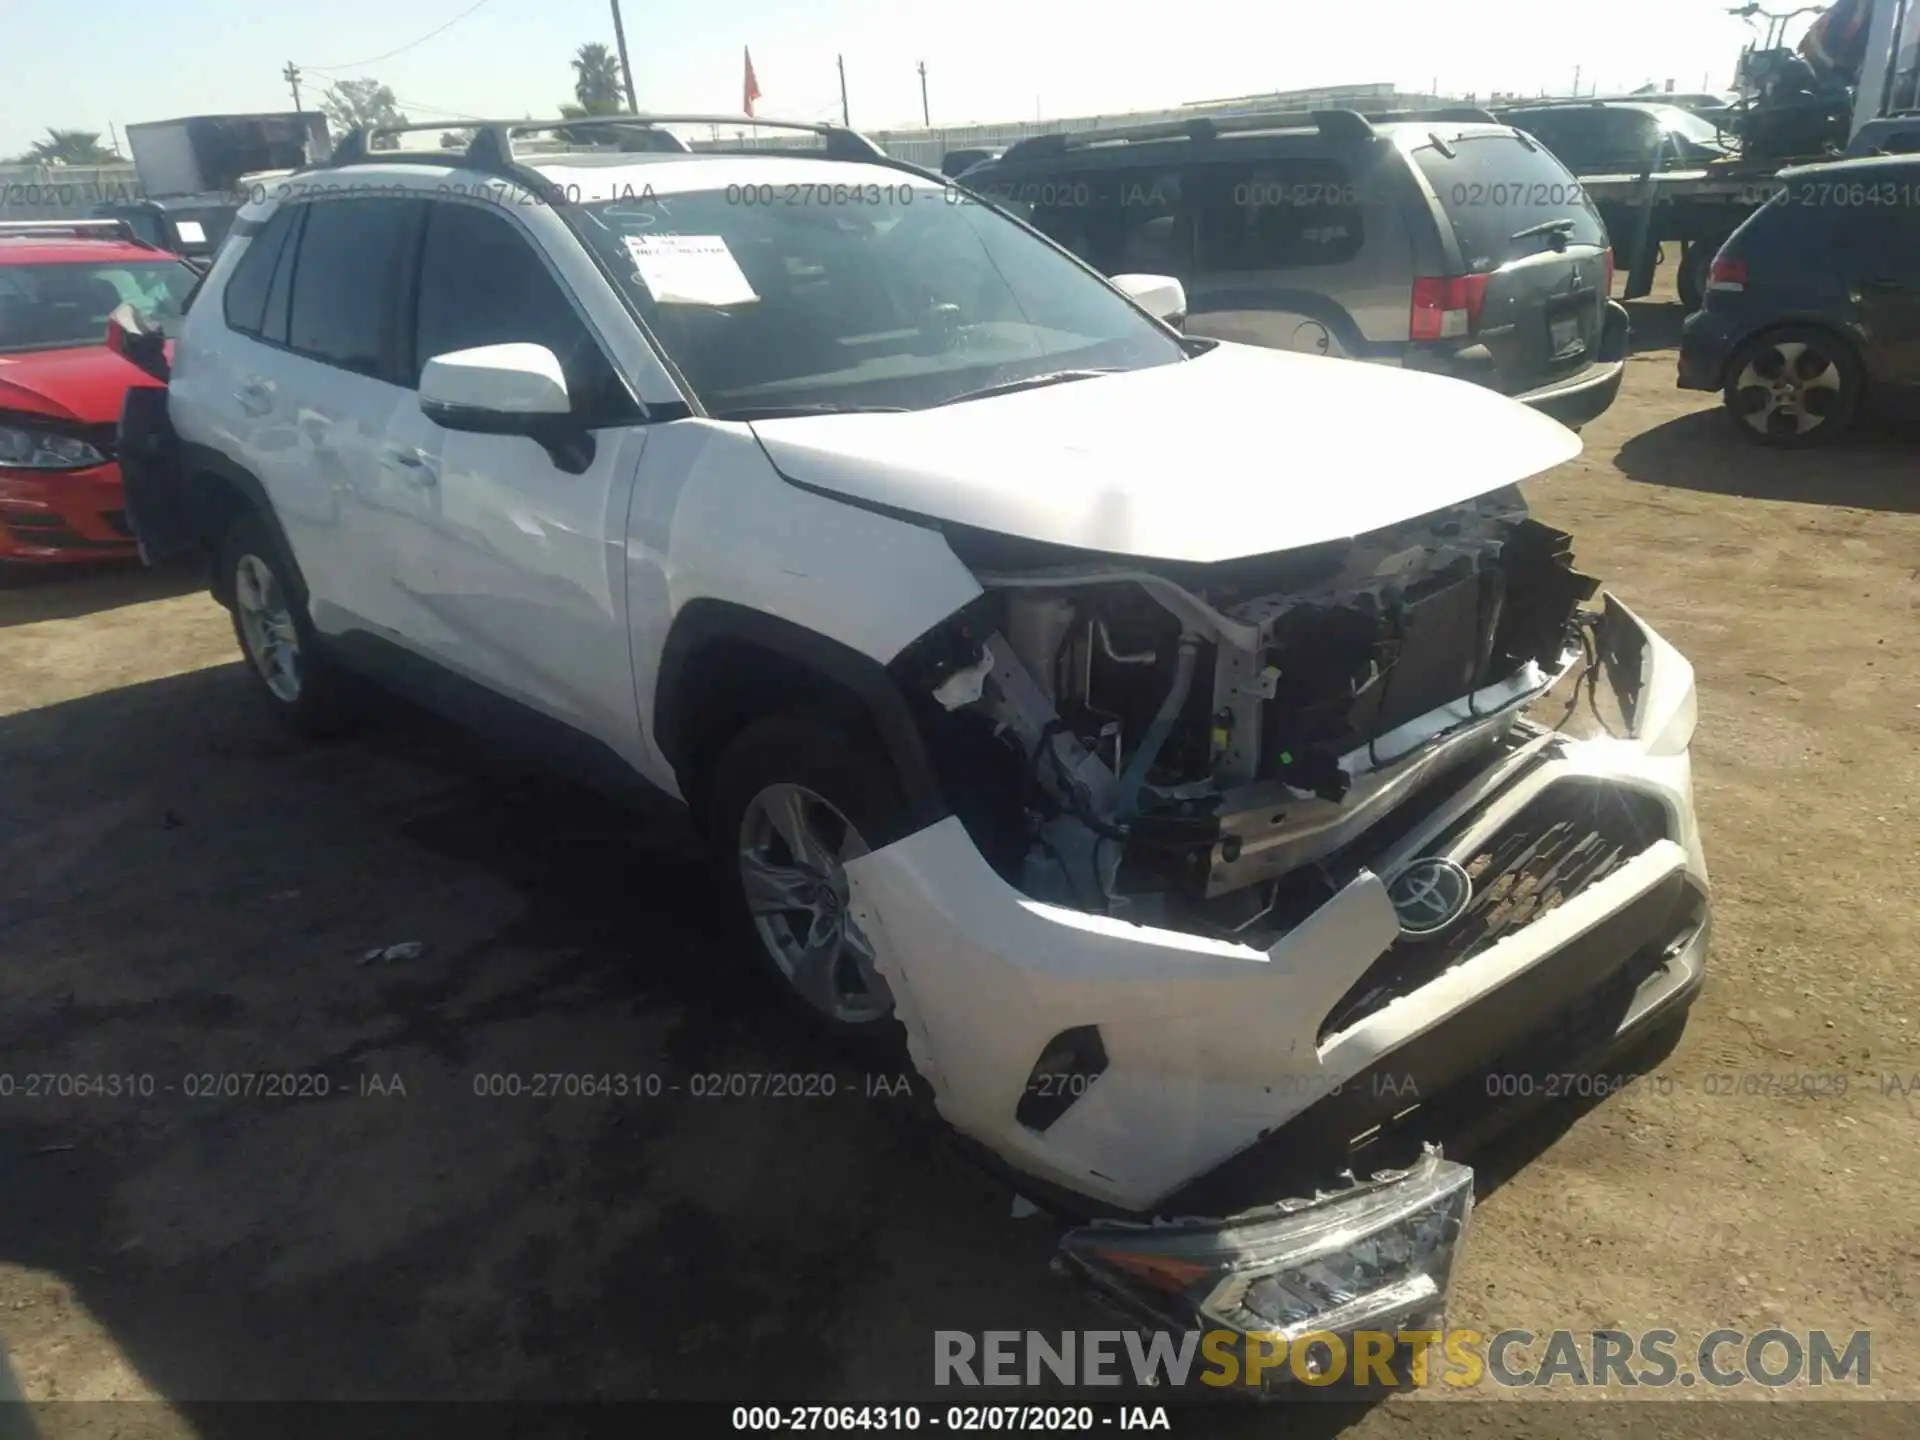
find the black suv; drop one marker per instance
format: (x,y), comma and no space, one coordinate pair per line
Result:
(1617,137)
(1460,247)
(1813,304)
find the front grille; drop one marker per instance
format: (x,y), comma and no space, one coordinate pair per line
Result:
(1571,836)
(1556,1018)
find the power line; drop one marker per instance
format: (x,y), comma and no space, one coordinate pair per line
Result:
(375,59)
(437,110)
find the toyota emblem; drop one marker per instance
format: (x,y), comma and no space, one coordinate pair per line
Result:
(1429,895)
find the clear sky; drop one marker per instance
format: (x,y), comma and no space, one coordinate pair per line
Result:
(119,61)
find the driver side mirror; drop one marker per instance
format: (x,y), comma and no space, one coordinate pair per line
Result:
(513,389)
(139,342)
(1161,296)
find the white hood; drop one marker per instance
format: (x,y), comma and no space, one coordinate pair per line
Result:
(1241,451)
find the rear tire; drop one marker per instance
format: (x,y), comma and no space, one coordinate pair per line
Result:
(1794,388)
(276,635)
(795,797)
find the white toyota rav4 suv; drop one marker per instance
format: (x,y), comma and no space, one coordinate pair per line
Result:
(1196,750)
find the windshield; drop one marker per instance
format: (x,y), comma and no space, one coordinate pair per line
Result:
(55,307)
(902,296)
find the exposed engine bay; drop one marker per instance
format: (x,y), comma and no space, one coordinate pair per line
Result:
(1167,744)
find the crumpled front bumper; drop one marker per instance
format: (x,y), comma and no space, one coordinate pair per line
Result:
(63,516)
(1216,1055)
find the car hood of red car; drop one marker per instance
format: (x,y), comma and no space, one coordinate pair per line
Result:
(86,384)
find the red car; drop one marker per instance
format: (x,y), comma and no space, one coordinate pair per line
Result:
(61,388)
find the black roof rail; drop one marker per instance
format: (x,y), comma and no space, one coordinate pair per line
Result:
(1334,124)
(96,229)
(491,150)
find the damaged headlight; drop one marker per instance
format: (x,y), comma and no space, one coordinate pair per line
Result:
(1377,1256)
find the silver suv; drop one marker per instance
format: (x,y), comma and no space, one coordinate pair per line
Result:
(1448,245)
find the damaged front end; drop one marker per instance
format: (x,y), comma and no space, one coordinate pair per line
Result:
(1257,868)
(1173,743)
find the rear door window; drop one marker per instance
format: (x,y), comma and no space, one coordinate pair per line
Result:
(347,284)
(1275,214)
(1120,221)
(1874,236)
(1495,189)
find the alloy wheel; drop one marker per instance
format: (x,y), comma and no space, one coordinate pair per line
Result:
(1788,388)
(266,623)
(794,847)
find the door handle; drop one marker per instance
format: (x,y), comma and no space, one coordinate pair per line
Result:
(255,397)
(1885,283)
(416,465)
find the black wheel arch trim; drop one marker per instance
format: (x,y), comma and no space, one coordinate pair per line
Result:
(197,460)
(704,623)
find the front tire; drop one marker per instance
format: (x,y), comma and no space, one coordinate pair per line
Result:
(795,798)
(275,633)
(1794,388)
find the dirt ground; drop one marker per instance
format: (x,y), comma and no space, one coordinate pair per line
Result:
(185,891)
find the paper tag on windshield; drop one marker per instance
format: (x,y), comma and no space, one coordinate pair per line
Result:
(689,270)
(190,232)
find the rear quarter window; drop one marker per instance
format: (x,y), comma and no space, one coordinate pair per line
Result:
(1493,187)
(245,299)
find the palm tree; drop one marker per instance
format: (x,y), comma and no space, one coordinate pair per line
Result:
(70,147)
(597,80)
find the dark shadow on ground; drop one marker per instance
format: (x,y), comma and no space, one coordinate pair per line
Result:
(1875,468)
(191,895)
(66,592)
(1656,325)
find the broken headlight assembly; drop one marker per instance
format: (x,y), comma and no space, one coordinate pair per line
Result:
(1376,1256)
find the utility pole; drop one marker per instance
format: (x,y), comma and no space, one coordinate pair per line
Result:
(845,119)
(292,76)
(926,115)
(626,69)
(1576,82)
